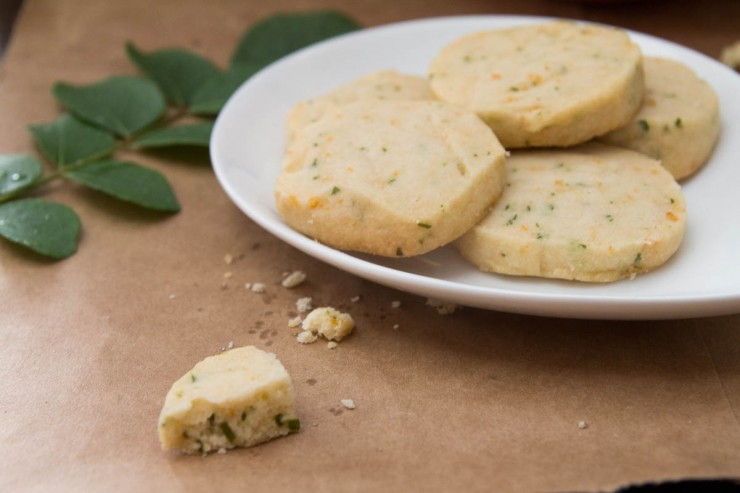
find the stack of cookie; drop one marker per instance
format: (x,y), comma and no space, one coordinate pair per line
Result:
(398,165)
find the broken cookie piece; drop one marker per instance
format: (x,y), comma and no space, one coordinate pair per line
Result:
(330,323)
(238,398)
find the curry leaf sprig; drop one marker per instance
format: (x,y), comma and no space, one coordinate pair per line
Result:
(172,104)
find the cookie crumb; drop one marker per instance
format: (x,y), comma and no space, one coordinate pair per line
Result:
(173,296)
(227,275)
(294,322)
(228,259)
(303,304)
(354,299)
(258,287)
(329,322)
(247,285)
(348,403)
(230,345)
(582,425)
(396,326)
(221,451)
(442,307)
(332,344)
(395,304)
(306,337)
(294,279)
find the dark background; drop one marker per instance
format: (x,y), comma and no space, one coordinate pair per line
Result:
(705,25)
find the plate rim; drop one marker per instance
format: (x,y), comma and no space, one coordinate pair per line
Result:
(561,305)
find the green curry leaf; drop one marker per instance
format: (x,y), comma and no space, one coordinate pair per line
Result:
(178,73)
(122,104)
(67,140)
(280,34)
(45,227)
(196,134)
(212,95)
(18,171)
(129,182)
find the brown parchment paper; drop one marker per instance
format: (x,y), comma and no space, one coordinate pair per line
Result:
(476,401)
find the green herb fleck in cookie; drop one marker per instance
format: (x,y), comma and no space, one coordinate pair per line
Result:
(228,432)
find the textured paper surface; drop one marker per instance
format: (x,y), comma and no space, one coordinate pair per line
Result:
(476,401)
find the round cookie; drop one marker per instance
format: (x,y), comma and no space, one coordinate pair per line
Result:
(592,213)
(555,84)
(386,84)
(678,123)
(393,178)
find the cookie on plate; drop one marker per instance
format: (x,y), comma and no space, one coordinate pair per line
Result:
(678,123)
(554,84)
(592,213)
(393,178)
(386,84)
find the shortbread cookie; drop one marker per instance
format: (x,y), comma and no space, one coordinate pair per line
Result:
(555,84)
(678,123)
(592,213)
(383,85)
(238,398)
(394,178)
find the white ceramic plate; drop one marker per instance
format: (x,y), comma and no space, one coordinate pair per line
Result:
(702,279)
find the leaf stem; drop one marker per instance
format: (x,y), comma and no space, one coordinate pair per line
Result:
(122,145)
(62,172)
(178,113)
